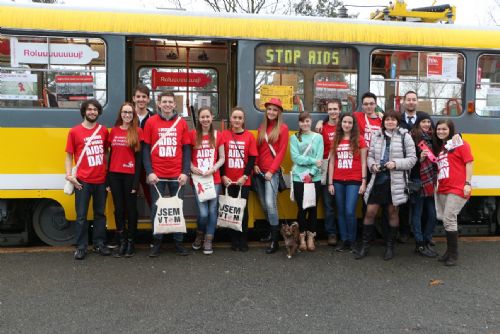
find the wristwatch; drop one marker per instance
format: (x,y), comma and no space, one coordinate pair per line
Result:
(467,183)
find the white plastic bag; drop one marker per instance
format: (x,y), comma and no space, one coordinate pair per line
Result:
(324,171)
(204,187)
(231,211)
(169,215)
(309,199)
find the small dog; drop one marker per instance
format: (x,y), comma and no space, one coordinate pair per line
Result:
(291,235)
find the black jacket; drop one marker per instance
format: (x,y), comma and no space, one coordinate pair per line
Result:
(406,126)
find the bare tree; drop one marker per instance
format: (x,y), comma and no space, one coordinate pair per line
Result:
(323,8)
(45,1)
(493,12)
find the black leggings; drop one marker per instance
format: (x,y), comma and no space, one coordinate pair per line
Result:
(306,217)
(125,202)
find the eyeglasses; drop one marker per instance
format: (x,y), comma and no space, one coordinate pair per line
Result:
(369,104)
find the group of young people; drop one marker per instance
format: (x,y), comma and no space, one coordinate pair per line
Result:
(349,154)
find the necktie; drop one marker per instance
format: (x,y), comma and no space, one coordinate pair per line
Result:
(410,121)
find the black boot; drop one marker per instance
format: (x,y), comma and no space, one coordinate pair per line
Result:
(274,246)
(365,245)
(122,242)
(389,243)
(155,250)
(235,240)
(130,248)
(243,245)
(452,241)
(421,249)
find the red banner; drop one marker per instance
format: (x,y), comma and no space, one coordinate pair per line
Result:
(169,79)
(74,78)
(332,84)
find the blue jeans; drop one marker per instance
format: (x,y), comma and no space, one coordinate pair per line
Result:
(267,192)
(417,205)
(165,187)
(346,196)
(330,226)
(207,220)
(82,199)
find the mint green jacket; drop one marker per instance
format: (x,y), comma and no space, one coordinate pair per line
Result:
(306,163)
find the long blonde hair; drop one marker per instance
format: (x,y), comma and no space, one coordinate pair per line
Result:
(275,132)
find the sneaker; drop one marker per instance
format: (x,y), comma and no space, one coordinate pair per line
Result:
(332,240)
(80,253)
(343,246)
(102,250)
(181,250)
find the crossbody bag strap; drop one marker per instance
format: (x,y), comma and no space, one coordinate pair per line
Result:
(164,134)
(87,145)
(270,146)
(308,148)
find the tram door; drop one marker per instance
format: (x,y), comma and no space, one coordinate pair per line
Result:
(198,72)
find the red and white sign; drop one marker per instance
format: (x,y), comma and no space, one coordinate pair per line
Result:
(74,78)
(434,66)
(41,53)
(332,84)
(170,79)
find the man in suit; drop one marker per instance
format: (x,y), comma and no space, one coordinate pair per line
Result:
(410,115)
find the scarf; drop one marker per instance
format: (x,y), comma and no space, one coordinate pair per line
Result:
(428,171)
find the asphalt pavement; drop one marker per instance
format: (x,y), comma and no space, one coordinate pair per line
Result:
(46,291)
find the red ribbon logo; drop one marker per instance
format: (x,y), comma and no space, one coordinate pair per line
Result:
(200,188)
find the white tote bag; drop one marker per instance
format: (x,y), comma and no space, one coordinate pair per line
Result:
(324,170)
(231,211)
(204,187)
(309,200)
(169,215)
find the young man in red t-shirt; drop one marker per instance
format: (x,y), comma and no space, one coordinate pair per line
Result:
(90,177)
(167,160)
(369,121)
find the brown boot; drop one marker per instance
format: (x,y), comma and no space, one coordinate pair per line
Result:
(302,245)
(207,244)
(198,241)
(310,241)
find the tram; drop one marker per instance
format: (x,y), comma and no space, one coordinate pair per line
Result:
(53,57)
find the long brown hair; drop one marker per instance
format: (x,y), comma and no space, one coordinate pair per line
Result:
(244,116)
(275,132)
(132,131)
(199,130)
(339,135)
(437,144)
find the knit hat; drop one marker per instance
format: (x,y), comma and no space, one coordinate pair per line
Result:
(421,117)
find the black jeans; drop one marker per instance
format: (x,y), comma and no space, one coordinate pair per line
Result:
(233,191)
(307,218)
(125,202)
(82,200)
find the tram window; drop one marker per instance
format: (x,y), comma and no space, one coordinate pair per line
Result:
(437,77)
(203,88)
(335,85)
(51,72)
(488,86)
(304,76)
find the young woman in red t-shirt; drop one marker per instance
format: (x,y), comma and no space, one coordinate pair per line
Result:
(272,142)
(123,177)
(207,156)
(348,169)
(454,184)
(238,165)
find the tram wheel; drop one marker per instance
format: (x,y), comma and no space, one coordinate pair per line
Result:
(50,224)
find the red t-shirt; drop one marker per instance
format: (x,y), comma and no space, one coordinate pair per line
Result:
(451,170)
(235,163)
(347,167)
(92,169)
(166,158)
(122,155)
(205,156)
(266,161)
(328,134)
(364,130)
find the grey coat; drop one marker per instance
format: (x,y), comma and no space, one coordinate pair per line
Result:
(375,151)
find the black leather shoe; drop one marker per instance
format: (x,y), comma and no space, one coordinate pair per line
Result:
(155,248)
(80,253)
(273,247)
(181,250)
(130,248)
(102,250)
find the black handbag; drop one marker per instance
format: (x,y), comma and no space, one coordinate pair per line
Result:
(412,187)
(281,180)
